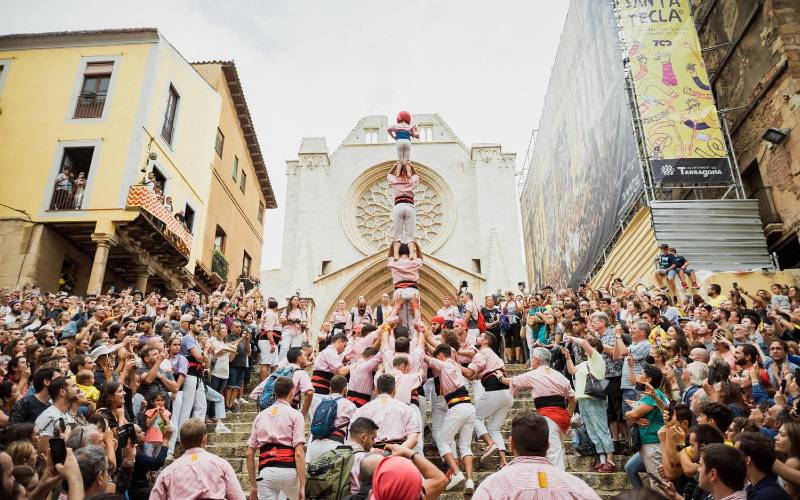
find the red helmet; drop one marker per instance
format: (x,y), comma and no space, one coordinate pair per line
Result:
(404,116)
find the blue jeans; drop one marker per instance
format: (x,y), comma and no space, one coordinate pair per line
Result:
(633,467)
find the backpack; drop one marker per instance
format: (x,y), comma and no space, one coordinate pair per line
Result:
(505,323)
(328,476)
(267,397)
(322,424)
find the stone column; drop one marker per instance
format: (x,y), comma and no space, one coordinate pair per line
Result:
(142,275)
(104,243)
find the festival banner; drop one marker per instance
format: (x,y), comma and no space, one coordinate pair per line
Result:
(585,173)
(679,119)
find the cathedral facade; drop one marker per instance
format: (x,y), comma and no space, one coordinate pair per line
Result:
(338,218)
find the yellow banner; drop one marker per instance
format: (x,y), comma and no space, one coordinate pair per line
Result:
(679,119)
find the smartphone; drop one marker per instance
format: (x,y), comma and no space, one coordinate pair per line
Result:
(783,386)
(126,434)
(58,450)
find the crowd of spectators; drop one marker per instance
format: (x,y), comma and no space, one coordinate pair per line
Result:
(699,392)
(94,389)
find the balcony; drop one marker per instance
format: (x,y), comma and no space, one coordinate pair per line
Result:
(90,105)
(141,198)
(219,264)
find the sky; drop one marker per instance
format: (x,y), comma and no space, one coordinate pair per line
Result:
(313,68)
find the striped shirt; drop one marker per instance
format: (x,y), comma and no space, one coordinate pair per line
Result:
(529,478)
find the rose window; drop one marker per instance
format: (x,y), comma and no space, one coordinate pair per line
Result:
(373,214)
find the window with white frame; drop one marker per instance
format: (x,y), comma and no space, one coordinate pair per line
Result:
(370,136)
(425,133)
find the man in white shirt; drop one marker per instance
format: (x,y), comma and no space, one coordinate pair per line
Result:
(55,419)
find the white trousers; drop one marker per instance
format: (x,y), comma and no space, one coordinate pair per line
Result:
(555,453)
(288,341)
(177,405)
(422,407)
(319,446)
(403,150)
(493,405)
(459,420)
(438,413)
(477,390)
(404,222)
(192,397)
(265,356)
(272,481)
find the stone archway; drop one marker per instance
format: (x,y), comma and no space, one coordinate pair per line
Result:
(376,279)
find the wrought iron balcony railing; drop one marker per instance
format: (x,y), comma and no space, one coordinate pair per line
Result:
(90,105)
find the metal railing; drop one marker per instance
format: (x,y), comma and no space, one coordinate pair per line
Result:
(219,264)
(66,197)
(90,105)
(766,205)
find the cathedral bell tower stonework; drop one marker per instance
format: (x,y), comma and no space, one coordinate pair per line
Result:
(338,218)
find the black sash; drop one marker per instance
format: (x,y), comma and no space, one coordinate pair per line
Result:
(551,401)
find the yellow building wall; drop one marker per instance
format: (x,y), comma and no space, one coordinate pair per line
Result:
(37,103)
(234,211)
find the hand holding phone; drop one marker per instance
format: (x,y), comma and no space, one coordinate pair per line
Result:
(58,451)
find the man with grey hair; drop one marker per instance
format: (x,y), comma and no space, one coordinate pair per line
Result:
(553,398)
(94,471)
(699,354)
(634,358)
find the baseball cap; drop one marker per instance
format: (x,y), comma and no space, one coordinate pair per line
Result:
(187,318)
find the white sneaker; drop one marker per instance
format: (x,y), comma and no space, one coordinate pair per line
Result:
(455,481)
(469,488)
(488,453)
(170,456)
(221,428)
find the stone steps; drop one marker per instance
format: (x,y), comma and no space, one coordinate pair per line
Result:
(232,447)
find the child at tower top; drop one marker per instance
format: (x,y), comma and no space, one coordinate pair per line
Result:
(404,217)
(404,264)
(402,133)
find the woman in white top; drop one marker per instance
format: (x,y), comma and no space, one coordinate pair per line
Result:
(293,322)
(593,410)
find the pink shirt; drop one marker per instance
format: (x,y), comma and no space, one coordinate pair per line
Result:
(361,373)
(153,434)
(279,424)
(197,474)
(533,478)
(338,317)
(405,383)
(358,456)
(543,381)
(358,344)
(402,186)
(293,328)
(485,362)
(328,360)
(449,373)
(404,269)
(269,321)
(467,345)
(395,420)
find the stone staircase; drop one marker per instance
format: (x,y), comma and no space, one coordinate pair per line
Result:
(232,447)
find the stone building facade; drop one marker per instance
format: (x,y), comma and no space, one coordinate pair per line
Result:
(338,218)
(752,51)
